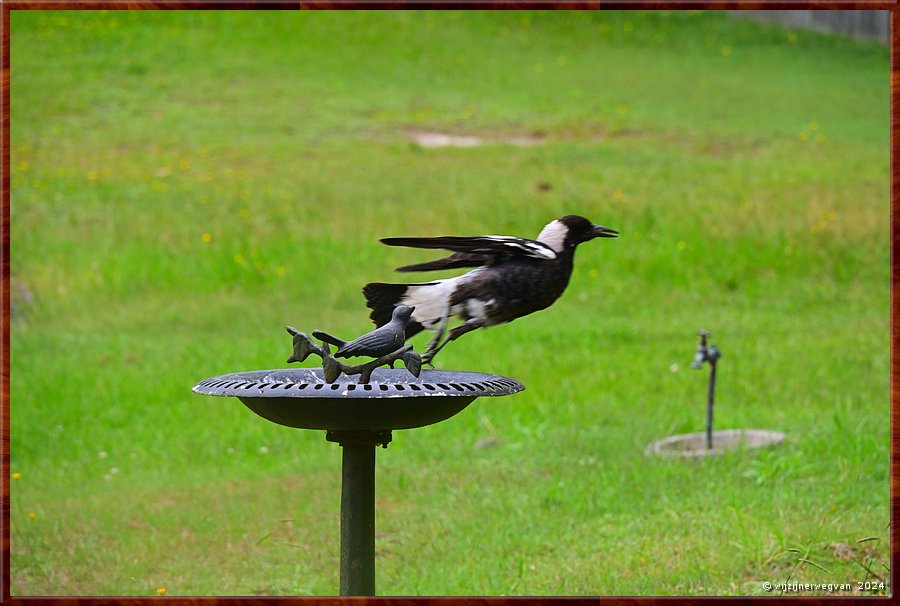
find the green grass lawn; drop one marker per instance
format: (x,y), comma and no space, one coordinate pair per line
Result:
(184,184)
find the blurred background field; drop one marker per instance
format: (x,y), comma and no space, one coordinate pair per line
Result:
(184,184)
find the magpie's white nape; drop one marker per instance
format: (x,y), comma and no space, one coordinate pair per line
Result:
(513,277)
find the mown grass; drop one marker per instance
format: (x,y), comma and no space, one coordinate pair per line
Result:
(187,183)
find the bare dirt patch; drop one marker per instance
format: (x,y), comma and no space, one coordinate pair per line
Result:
(431,140)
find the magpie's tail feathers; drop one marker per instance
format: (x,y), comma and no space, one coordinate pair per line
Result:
(382,298)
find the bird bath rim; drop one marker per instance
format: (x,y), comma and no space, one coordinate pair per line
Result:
(393,399)
(386,383)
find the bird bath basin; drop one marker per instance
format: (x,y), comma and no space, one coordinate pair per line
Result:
(358,417)
(393,399)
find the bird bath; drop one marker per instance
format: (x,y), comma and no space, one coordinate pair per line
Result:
(359,417)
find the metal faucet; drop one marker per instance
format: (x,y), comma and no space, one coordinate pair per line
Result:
(711,354)
(705,353)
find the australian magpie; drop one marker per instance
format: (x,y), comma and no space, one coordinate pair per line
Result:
(513,278)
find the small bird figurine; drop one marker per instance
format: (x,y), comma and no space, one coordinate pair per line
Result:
(513,278)
(384,340)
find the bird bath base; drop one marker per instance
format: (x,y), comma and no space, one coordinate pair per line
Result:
(692,445)
(359,417)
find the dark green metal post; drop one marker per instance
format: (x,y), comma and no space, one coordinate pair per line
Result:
(358,508)
(711,354)
(358,520)
(710,402)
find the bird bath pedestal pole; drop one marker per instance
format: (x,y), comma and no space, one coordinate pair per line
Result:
(358,508)
(359,417)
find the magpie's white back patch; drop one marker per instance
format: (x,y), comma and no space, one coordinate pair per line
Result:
(430,300)
(554,235)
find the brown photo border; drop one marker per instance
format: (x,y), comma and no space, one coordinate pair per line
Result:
(7,6)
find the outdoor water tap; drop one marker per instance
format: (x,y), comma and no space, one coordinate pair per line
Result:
(699,358)
(705,353)
(711,354)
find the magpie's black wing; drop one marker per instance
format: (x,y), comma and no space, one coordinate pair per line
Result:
(472,251)
(458,259)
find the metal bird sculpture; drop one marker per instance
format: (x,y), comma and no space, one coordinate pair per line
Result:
(385,339)
(385,344)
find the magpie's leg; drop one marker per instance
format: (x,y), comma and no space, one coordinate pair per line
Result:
(442,327)
(454,334)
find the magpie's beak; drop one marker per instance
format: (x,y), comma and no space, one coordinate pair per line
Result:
(599,231)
